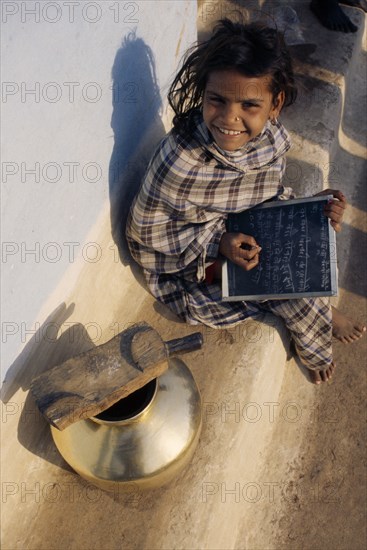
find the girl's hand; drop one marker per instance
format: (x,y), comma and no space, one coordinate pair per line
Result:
(241,249)
(335,208)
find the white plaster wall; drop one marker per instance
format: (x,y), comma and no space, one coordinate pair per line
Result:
(59,128)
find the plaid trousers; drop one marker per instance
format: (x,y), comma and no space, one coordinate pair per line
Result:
(308,320)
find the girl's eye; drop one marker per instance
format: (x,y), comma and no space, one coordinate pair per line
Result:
(246,105)
(215,99)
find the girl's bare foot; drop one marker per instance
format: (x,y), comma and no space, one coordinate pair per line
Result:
(318,376)
(344,329)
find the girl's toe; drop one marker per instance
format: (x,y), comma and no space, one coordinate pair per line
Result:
(315,376)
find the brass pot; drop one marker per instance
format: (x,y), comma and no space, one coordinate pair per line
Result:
(146,438)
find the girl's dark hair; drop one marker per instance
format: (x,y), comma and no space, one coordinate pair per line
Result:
(253,50)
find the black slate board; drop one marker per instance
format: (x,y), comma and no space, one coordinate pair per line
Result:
(298,257)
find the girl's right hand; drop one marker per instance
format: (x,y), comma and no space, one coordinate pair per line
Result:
(241,249)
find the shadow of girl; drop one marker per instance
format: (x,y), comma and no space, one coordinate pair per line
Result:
(137,128)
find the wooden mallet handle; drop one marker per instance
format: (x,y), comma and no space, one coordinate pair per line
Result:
(148,348)
(192,342)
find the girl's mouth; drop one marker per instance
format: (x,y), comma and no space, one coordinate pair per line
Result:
(226,132)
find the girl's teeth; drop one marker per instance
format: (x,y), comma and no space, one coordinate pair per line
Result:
(229,132)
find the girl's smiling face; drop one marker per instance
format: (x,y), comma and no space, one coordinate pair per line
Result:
(236,107)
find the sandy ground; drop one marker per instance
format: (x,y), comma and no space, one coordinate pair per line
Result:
(322,491)
(329,508)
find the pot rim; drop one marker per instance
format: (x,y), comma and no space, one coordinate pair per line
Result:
(130,418)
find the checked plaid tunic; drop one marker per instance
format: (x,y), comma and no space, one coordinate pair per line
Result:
(178,218)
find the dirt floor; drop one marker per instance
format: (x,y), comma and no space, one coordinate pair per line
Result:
(325,507)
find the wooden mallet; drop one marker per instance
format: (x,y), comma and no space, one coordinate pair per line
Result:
(89,383)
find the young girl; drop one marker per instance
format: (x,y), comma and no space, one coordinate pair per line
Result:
(225,154)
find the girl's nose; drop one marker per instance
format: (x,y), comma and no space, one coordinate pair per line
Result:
(230,113)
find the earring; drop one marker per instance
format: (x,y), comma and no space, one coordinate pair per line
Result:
(273,121)
(237,119)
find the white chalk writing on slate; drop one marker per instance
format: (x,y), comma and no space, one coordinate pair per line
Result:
(295,256)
